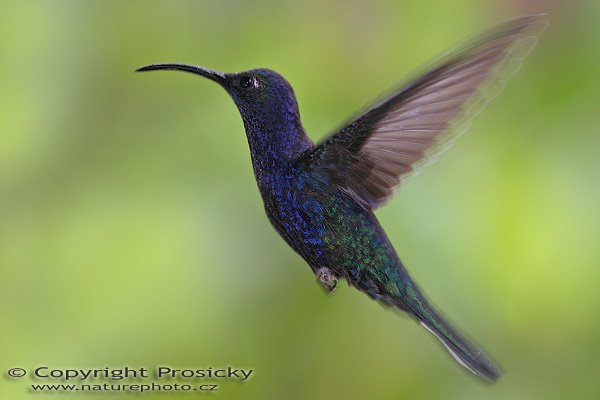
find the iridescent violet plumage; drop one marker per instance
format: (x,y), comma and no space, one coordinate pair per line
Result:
(320,198)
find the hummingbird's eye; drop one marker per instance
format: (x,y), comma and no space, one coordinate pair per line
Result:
(246,82)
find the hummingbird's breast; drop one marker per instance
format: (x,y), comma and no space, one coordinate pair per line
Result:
(329,229)
(295,209)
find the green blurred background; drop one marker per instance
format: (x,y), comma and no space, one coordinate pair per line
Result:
(132,232)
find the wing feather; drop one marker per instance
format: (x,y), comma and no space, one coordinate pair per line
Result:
(373,154)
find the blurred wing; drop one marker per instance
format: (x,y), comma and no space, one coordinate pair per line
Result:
(371,155)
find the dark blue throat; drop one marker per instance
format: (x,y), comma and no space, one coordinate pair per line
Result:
(275,139)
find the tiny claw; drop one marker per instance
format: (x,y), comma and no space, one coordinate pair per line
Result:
(327,278)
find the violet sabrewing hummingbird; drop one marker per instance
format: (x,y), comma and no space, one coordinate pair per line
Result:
(320,197)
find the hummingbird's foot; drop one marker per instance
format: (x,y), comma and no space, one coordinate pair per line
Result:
(327,278)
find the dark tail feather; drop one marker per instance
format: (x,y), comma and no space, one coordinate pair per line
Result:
(463,351)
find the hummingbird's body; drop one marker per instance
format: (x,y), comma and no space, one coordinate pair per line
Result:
(318,219)
(332,231)
(320,198)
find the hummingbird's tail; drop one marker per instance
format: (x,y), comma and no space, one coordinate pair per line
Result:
(463,351)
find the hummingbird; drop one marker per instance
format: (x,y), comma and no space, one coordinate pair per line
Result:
(320,197)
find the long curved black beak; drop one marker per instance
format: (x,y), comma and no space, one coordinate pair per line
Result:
(216,76)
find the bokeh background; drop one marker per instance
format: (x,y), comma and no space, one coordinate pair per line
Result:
(132,232)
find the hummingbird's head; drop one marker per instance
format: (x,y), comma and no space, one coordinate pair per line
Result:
(262,95)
